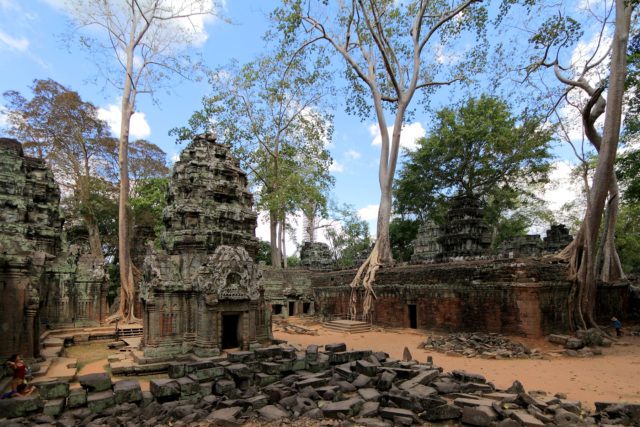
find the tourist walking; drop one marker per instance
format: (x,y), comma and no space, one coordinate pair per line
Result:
(617,325)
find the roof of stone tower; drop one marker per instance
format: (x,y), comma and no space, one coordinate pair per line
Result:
(208,203)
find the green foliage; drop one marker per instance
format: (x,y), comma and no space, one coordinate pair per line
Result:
(403,232)
(148,201)
(293,261)
(477,149)
(350,238)
(632,117)
(628,173)
(628,237)
(264,252)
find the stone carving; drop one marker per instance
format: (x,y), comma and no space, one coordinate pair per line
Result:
(465,233)
(426,245)
(558,238)
(202,290)
(32,246)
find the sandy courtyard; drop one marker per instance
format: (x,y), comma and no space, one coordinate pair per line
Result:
(614,376)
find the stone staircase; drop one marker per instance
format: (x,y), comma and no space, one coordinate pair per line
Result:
(347,326)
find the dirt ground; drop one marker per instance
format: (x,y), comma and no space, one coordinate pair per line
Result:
(614,376)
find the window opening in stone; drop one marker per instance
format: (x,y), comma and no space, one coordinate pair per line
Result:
(306,306)
(230,331)
(413,316)
(277,308)
(292,308)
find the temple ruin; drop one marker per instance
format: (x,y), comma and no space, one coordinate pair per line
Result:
(202,290)
(43,280)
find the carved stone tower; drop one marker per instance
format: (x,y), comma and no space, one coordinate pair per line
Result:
(202,291)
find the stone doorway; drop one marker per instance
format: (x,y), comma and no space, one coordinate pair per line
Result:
(292,308)
(231,336)
(413,316)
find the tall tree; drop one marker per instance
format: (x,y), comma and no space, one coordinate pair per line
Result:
(149,39)
(481,150)
(348,236)
(272,112)
(583,251)
(393,51)
(57,124)
(557,33)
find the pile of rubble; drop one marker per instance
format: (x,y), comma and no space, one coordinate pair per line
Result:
(476,344)
(278,383)
(585,343)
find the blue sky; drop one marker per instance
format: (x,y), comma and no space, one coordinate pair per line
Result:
(31,47)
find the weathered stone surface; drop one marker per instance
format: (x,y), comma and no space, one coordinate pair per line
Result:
(273,413)
(386,380)
(164,388)
(95,382)
(333,348)
(391,413)
(100,401)
(316,256)
(225,387)
(478,415)
(127,391)
(53,407)
(53,389)
(442,413)
(77,398)
(225,415)
(526,419)
(366,368)
(348,407)
(240,356)
(188,386)
(20,406)
(369,394)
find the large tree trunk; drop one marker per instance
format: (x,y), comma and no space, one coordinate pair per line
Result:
(276,259)
(583,256)
(609,265)
(125,311)
(95,243)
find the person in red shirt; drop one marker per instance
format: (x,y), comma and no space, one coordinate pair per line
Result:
(16,363)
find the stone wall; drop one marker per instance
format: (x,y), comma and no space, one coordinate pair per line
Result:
(40,278)
(523,297)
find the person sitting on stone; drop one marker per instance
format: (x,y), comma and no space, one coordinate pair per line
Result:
(19,368)
(21,391)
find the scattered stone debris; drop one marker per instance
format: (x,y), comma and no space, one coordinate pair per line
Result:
(287,327)
(279,384)
(483,345)
(585,343)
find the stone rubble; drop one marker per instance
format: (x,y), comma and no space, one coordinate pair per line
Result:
(585,343)
(477,344)
(278,384)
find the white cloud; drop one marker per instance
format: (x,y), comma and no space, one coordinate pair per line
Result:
(561,188)
(369,212)
(336,167)
(21,44)
(410,134)
(139,127)
(353,154)
(4,120)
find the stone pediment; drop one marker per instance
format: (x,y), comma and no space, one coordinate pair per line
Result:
(229,274)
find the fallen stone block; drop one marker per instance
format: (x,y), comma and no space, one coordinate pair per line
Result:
(225,387)
(442,413)
(332,348)
(386,380)
(262,379)
(312,353)
(366,368)
(347,408)
(256,402)
(525,419)
(55,389)
(165,390)
(206,389)
(464,402)
(99,401)
(424,378)
(310,382)
(188,386)
(177,370)
(207,374)
(53,407)
(95,382)
(77,398)
(372,422)
(446,385)
(127,391)
(362,381)
(20,406)
(273,413)
(391,413)
(468,377)
(225,416)
(574,343)
(369,394)
(478,415)
(239,371)
(369,409)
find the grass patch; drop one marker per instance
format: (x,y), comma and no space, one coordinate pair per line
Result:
(89,353)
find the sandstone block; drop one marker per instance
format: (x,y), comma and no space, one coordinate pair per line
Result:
(95,382)
(479,415)
(99,401)
(332,348)
(442,413)
(127,391)
(53,407)
(273,413)
(347,408)
(20,406)
(165,389)
(77,398)
(56,389)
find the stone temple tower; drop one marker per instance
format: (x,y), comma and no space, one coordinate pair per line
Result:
(202,290)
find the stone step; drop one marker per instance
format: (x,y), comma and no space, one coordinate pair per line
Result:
(44,367)
(52,342)
(348,326)
(61,368)
(52,352)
